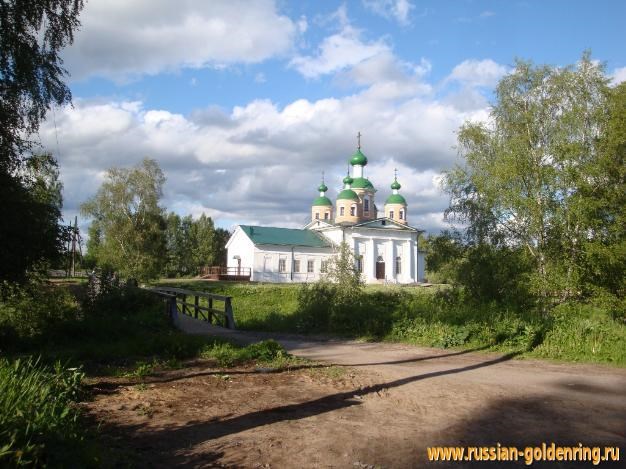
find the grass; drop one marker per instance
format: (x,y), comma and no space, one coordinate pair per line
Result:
(431,317)
(39,423)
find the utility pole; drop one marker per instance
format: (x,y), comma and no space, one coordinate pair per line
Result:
(74,232)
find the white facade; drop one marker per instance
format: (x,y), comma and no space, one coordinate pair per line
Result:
(383,249)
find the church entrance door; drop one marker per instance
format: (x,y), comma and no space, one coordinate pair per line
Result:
(380,268)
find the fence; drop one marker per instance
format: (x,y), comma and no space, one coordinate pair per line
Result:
(206,306)
(226,273)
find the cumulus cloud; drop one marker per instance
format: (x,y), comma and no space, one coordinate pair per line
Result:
(618,76)
(260,163)
(478,73)
(122,39)
(338,51)
(398,10)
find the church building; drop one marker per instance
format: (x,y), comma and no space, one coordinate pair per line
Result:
(385,246)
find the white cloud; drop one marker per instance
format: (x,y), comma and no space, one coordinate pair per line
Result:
(618,76)
(337,52)
(260,163)
(478,73)
(123,39)
(398,10)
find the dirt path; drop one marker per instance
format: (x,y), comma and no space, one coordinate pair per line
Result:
(398,401)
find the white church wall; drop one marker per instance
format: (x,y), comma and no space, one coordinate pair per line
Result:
(267,262)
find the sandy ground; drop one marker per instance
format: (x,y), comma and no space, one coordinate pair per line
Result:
(388,404)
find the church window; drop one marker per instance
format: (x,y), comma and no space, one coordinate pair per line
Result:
(398,265)
(391,214)
(317,215)
(326,215)
(282,265)
(324,267)
(401,214)
(310,265)
(296,266)
(341,211)
(366,204)
(353,210)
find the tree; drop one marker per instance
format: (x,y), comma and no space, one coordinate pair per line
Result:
(31,233)
(342,272)
(530,173)
(126,213)
(32,35)
(203,241)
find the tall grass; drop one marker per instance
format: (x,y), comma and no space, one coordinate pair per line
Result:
(38,419)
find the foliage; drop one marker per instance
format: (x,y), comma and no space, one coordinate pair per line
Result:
(127,216)
(192,244)
(32,35)
(31,210)
(29,312)
(38,419)
(445,317)
(486,272)
(539,178)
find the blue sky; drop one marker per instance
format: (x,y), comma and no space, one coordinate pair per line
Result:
(244,103)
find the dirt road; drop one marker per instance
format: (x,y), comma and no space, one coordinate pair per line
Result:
(398,401)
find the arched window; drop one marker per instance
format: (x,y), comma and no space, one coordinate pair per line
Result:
(353,211)
(341,211)
(401,214)
(317,215)
(366,204)
(326,215)
(391,214)
(398,265)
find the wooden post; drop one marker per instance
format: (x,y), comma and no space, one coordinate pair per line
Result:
(195,308)
(230,319)
(184,297)
(209,315)
(173,310)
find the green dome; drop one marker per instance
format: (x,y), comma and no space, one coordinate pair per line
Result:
(395,199)
(348,180)
(322,188)
(362,183)
(395,185)
(320,201)
(348,194)
(358,158)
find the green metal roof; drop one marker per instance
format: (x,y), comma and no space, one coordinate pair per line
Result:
(396,199)
(284,236)
(362,183)
(358,158)
(322,201)
(347,194)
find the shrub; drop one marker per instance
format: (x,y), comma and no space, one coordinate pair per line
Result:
(28,313)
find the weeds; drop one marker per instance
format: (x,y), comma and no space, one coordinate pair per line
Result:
(38,420)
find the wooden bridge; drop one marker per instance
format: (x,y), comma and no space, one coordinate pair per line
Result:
(216,309)
(241,274)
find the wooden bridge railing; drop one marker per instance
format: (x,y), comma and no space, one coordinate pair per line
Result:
(203,302)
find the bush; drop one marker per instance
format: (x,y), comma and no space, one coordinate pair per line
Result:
(28,313)
(38,418)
